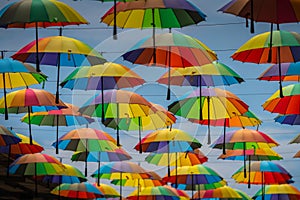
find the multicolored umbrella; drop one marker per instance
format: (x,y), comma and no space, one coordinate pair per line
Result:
(16,74)
(108,191)
(199,187)
(39,13)
(28,98)
(157,118)
(288,103)
(59,51)
(161,14)
(292,119)
(289,72)
(8,137)
(63,117)
(36,164)
(244,195)
(220,193)
(260,49)
(84,190)
(276,192)
(117,104)
(170,50)
(215,103)
(158,192)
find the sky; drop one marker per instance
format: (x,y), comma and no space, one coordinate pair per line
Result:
(223,33)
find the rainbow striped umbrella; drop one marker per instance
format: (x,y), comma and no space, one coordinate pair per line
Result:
(277,192)
(224,192)
(108,191)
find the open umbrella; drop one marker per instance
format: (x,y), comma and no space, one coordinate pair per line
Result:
(295,140)
(28,98)
(277,192)
(220,193)
(8,137)
(286,104)
(171,50)
(16,74)
(259,49)
(38,13)
(117,104)
(160,14)
(36,164)
(211,103)
(158,192)
(63,117)
(59,51)
(157,118)
(84,190)
(292,119)
(108,191)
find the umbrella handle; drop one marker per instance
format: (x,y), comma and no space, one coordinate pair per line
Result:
(115,37)
(252,16)
(37,61)
(5,100)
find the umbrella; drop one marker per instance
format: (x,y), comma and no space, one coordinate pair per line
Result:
(243,194)
(28,98)
(64,117)
(86,139)
(8,137)
(282,50)
(36,164)
(16,74)
(297,155)
(295,140)
(199,187)
(84,190)
(158,192)
(212,99)
(193,175)
(292,119)
(59,51)
(160,14)
(263,172)
(121,170)
(38,13)
(171,50)
(286,104)
(118,154)
(220,193)
(160,118)
(108,191)
(277,192)
(289,72)
(117,104)
(263,11)
(69,175)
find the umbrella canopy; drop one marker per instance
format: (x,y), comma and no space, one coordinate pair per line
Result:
(199,187)
(244,195)
(292,119)
(289,72)
(8,137)
(158,192)
(102,77)
(22,147)
(276,192)
(220,193)
(117,104)
(39,13)
(287,104)
(297,155)
(210,103)
(107,191)
(84,190)
(295,140)
(177,159)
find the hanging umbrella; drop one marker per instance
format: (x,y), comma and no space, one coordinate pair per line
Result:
(8,137)
(297,155)
(117,104)
(287,104)
(199,187)
(292,119)
(263,173)
(38,13)
(260,50)
(63,117)
(158,192)
(277,192)
(264,11)
(28,98)
(212,99)
(118,154)
(16,74)
(108,191)
(193,175)
(69,175)
(160,14)
(221,193)
(160,118)
(84,190)
(289,72)
(59,51)
(86,139)
(243,194)
(171,50)
(295,140)
(36,164)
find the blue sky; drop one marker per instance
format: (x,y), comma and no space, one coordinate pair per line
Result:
(221,32)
